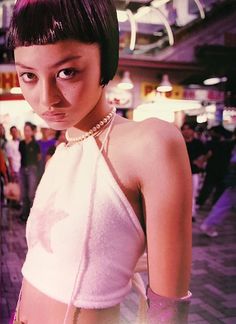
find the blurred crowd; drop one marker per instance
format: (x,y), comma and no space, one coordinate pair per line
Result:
(212,155)
(23,159)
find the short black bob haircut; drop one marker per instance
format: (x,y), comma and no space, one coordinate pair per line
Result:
(41,22)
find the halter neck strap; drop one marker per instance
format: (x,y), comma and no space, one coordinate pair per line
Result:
(108,130)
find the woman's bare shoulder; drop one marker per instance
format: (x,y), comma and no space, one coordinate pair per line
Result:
(146,126)
(153,134)
(151,138)
(153,150)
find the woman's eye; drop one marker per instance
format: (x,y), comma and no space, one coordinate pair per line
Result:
(66,73)
(27,77)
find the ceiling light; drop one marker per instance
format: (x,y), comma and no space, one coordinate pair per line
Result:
(142,11)
(127,15)
(214,80)
(126,82)
(122,16)
(133,29)
(200,8)
(164,20)
(193,86)
(158,3)
(16,90)
(165,85)
(202,118)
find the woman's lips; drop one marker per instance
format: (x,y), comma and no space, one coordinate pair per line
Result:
(54,116)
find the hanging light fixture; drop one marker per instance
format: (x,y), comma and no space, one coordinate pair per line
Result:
(123,16)
(126,82)
(165,85)
(16,90)
(214,80)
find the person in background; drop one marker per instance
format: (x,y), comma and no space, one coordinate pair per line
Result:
(44,143)
(115,189)
(196,153)
(3,176)
(13,155)
(30,157)
(226,203)
(3,139)
(201,133)
(59,138)
(218,154)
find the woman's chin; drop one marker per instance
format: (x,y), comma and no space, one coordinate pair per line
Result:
(59,125)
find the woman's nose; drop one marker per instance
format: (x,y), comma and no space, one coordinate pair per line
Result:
(49,94)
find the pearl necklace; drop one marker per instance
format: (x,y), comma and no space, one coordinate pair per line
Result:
(94,130)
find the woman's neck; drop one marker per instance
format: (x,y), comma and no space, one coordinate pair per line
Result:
(100,110)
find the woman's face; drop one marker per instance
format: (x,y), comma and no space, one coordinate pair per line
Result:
(60,81)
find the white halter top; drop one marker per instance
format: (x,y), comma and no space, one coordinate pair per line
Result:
(84,239)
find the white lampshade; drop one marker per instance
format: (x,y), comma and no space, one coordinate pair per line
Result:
(165,85)
(214,80)
(158,3)
(126,82)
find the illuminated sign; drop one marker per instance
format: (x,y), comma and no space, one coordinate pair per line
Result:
(8,80)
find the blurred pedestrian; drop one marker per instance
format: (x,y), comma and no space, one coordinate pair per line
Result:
(196,153)
(13,155)
(30,157)
(218,153)
(225,205)
(59,138)
(3,141)
(3,175)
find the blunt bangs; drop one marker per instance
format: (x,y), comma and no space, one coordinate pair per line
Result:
(41,22)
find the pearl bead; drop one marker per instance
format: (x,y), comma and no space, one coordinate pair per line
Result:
(94,129)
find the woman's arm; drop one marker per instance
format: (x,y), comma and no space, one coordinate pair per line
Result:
(166,187)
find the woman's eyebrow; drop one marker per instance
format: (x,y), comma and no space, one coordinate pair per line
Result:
(23,66)
(66,59)
(63,61)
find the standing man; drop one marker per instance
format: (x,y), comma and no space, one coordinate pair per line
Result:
(218,156)
(30,157)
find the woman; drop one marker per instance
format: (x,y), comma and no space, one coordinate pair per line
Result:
(99,202)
